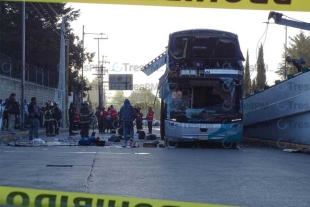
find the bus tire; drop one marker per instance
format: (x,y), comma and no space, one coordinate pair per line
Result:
(229,145)
(162,121)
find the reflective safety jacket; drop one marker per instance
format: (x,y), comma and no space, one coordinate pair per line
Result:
(85,115)
(48,115)
(149,116)
(114,114)
(139,116)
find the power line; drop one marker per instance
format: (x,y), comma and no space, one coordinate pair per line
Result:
(265,32)
(52,9)
(46,12)
(44,18)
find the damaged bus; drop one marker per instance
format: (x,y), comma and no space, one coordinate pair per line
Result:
(201,89)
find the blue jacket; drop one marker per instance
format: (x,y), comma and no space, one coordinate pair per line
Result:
(127,112)
(87,141)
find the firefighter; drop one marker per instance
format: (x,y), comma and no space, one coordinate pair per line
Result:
(49,120)
(57,117)
(77,124)
(71,119)
(85,115)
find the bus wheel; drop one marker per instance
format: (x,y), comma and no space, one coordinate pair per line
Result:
(228,145)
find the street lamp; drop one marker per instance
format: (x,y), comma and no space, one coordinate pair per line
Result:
(83,59)
(100,89)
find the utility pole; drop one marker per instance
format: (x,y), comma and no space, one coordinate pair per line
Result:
(82,92)
(100,84)
(285,69)
(67,82)
(103,73)
(23,66)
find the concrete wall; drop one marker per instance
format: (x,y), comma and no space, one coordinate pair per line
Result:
(10,85)
(280,112)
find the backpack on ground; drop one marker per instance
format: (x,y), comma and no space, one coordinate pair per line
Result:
(151,137)
(141,135)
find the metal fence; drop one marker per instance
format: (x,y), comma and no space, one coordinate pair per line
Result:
(35,74)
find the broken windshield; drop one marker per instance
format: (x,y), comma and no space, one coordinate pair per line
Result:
(204,47)
(215,101)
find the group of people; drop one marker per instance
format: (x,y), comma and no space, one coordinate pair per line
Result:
(10,111)
(128,114)
(52,116)
(109,119)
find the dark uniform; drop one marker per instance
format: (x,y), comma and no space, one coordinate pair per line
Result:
(57,117)
(49,119)
(85,115)
(71,119)
(139,119)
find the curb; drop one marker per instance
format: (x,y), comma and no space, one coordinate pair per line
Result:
(10,137)
(276,144)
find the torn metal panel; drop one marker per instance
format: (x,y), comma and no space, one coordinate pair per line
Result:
(155,64)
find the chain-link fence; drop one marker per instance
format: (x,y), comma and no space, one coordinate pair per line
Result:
(35,74)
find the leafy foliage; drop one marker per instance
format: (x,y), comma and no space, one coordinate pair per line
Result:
(42,25)
(246,77)
(261,70)
(141,97)
(299,47)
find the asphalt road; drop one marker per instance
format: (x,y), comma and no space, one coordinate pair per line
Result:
(254,177)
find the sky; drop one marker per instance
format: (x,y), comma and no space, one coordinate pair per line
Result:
(138,34)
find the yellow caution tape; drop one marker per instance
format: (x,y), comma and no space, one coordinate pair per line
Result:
(47,198)
(280,5)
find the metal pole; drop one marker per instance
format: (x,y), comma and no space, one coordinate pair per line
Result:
(67,83)
(82,93)
(285,69)
(99,79)
(23,66)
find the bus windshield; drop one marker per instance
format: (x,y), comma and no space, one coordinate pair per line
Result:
(205,101)
(204,47)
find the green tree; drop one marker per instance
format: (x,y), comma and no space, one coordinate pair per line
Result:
(253,86)
(118,100)
(42,38)
(91,105)
(145,98)
(261,70)
(299,47)
(246,77)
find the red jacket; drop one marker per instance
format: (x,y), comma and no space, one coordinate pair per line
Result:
(149,116)
(139,116)
(113,113)
(102,114)
(77,115)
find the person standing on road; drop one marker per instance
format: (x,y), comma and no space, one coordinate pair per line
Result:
(71,119)
(26,114)
(1,114)
(114,119)
(76,125)
(34,119)
(12,111)
(57,117)
(149,118)
(101,116)
(127,116)
(49,119)
(139,119)
(85,115)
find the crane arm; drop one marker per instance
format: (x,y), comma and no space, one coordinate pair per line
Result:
(277,17)
(155,64)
